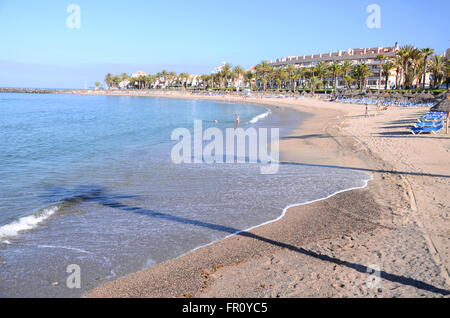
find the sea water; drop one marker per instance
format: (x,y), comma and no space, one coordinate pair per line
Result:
(89,181)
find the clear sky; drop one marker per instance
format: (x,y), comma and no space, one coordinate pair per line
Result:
(38,49)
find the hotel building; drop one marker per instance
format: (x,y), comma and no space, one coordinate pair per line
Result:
(355,56)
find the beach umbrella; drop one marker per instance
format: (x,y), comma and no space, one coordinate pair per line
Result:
(444,107)
(362,94)
(422,95)
(419,97)
(408,94)
(442,96)
(396,96)
(377,95)
(429,97)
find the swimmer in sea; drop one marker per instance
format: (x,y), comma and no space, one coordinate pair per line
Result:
(237,120)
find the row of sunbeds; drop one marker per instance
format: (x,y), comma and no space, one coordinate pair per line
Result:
(433,122)
(383,102)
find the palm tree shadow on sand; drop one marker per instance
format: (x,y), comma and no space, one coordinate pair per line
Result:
(101,196)
(369,170)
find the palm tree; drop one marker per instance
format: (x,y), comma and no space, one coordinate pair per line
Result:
(299,77)
(387,69)
(116,81)
(409,57)
(150,81)
(360,72)
(183,78)
(225,75)
(109,80)
(314,82)
(438,70)
(291,71)
(403,56)
(321,70)
(447,73)
(426,53)
(415,68)
(348,80)
(335,70)
(381,58)
(398,64)
(172,78)
(263,71)
(280,77)
(124,76)
(216,79)
(249,77)
(206,80)
(238,73)
(309,75)
(346,67)
(295,77)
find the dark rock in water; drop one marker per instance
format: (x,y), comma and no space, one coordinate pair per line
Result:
(31,90)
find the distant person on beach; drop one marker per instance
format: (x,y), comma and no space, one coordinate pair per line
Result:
(237,120)
(378,104)
(367,110)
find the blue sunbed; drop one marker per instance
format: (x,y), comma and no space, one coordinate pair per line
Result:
(434,115)
(430,129)
(429,124)
(433,118)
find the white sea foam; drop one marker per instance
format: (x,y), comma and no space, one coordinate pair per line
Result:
(259,117)
(365,184)
(27,222)
(66,248)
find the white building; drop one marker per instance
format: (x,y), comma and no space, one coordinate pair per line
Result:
(355,56)
(139,74)
(219,68)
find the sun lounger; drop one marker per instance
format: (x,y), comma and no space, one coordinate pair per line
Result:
(436,113)
(433,118)
(429,124)
(430,129)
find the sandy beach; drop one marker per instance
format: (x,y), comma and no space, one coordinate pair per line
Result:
(398,225)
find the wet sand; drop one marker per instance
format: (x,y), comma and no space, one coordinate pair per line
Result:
(398,225)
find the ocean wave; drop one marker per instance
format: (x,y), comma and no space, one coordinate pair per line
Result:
(259,117)
(66,248)
(27,223)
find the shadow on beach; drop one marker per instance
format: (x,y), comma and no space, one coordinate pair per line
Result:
(100,196)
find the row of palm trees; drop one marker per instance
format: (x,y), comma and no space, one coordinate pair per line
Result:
(161,79)
(410,66)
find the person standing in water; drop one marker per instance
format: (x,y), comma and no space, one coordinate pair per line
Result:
(237,120)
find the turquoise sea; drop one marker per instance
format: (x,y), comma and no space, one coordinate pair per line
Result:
(89,180)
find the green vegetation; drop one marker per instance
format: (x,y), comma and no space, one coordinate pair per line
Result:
(411,66)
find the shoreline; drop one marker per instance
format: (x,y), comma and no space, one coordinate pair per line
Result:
(231,252)
(365,212)
(286,210)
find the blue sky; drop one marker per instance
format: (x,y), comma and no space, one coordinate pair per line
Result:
(37,49)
